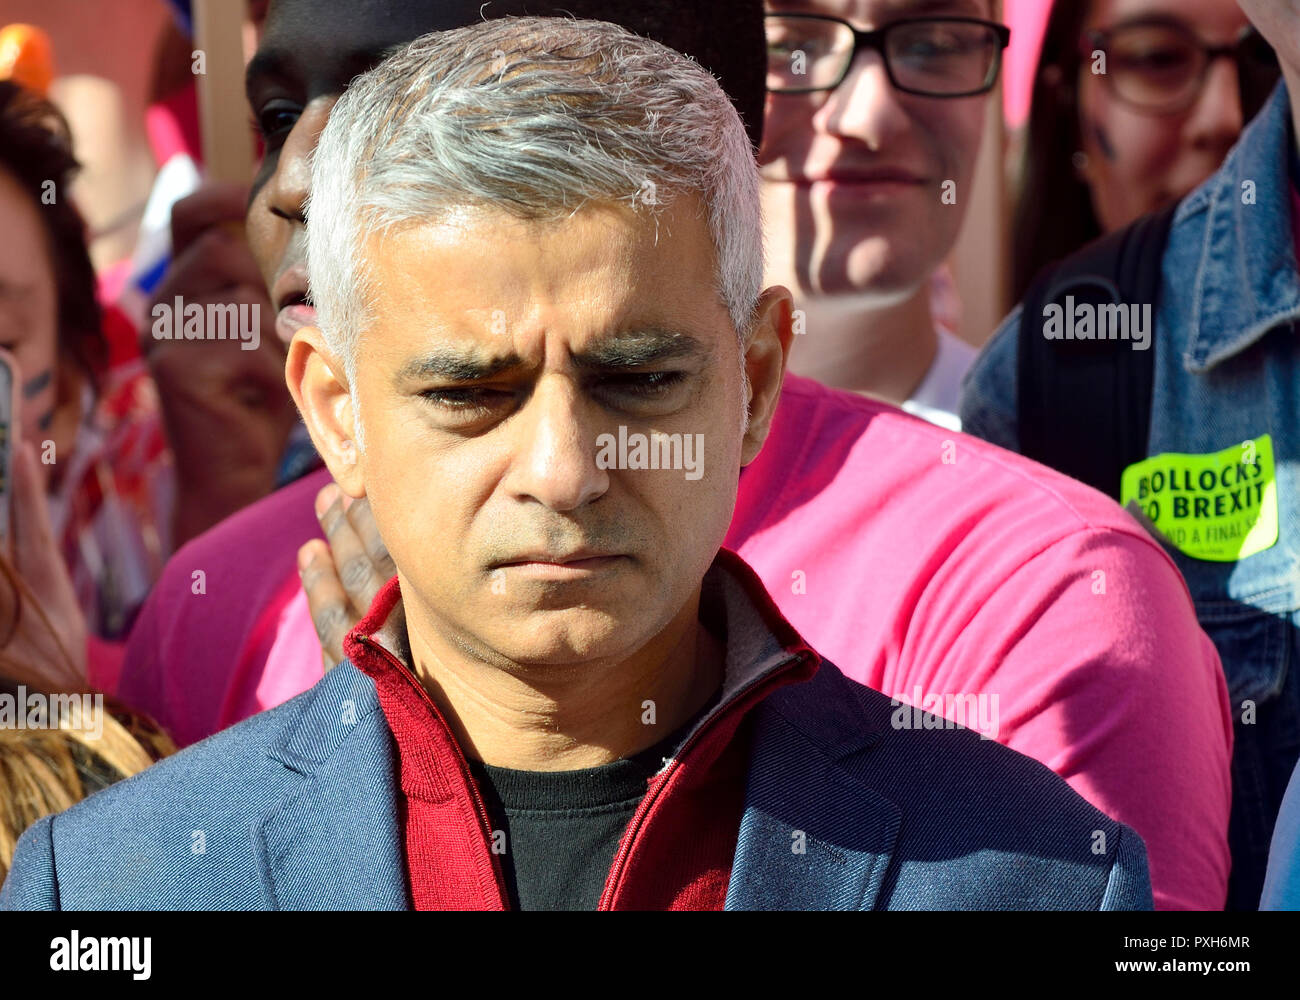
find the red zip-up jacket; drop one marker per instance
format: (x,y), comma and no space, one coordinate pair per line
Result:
(677,851)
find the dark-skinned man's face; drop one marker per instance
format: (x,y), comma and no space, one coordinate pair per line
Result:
(312,49)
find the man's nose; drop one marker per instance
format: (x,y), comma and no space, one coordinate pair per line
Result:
(1217,119)
(554,460)
(865,106)
(291,183)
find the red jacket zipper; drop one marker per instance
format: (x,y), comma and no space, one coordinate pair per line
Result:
(679,759)
(480,808)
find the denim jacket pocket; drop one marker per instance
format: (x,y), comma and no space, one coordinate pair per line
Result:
(1253,645)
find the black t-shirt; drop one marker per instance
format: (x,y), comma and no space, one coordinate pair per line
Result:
(562,828)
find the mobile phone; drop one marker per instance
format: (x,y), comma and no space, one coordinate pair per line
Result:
(9,424)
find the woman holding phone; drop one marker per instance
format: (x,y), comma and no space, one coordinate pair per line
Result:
(95,458)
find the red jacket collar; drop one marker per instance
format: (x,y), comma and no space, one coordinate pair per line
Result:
(450,859)
(759,640)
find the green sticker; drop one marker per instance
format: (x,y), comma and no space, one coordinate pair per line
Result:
(1221,506)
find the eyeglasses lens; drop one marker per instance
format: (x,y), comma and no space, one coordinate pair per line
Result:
(806,54)
(1155,67)
(943,58)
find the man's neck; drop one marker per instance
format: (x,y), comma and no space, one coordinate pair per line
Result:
(567,717)
(882,352)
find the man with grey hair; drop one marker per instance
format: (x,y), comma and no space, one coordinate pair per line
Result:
(528,236)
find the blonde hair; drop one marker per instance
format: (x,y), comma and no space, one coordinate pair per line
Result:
(44,771)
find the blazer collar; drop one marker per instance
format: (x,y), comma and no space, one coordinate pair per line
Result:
(813,836)
(333,841)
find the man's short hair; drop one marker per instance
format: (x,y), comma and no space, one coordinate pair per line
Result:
(535,117)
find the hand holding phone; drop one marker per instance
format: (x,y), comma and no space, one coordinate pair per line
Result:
(51,636)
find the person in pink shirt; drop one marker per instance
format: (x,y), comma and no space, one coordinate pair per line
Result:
(943,571)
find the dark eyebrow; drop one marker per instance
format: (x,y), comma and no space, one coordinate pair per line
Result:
(897,10)
(276,63)
(452,365)
(930,8)
(635,349)
(638,348)
(266,62)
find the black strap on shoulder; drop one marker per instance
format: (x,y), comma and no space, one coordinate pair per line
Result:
(1085,404)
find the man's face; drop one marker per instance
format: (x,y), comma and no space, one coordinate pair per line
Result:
(500,351)
(309,51)
(1137,162)
(854,178)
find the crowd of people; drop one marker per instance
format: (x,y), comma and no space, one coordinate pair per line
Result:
(688,551)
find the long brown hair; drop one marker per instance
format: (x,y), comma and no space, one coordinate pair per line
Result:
(44,771)
(1053,215)
(36,150)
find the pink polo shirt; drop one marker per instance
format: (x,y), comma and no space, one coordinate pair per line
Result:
(928,565)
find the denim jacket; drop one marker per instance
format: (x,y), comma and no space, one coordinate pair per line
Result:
(1227,370)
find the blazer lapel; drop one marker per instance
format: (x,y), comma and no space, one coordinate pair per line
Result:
(813,836)
(333,841)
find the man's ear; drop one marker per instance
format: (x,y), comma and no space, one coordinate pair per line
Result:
(766,355)
(318,385)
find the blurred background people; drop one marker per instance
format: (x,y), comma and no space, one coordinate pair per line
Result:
(867,163)
(1103,149)
(1222,431)
(46,767)
(912,573)
(99,453)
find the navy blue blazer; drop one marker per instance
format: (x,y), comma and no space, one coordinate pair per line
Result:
(294,808)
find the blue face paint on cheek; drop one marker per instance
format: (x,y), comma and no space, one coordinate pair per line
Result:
(32,388)
(36,385)
(1102,138)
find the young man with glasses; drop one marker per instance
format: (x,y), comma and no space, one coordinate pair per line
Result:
(874,120)
(1216,476)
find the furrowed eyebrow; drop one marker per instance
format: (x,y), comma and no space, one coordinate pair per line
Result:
(641,348)
(274,63)
(455,366)
(620,352)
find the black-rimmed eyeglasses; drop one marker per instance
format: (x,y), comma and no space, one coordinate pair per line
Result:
(927,56)
(1159,65)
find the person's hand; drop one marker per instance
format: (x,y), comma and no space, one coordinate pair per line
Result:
(342,575)
(49,642)
(227,410)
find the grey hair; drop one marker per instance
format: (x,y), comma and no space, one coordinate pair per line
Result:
(536,117)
